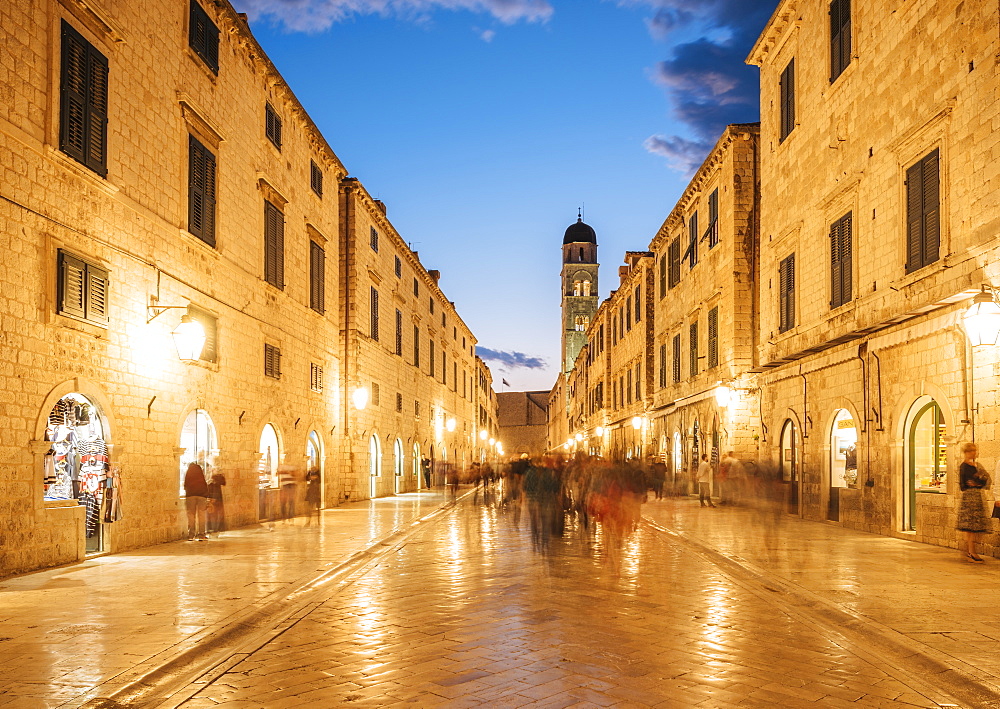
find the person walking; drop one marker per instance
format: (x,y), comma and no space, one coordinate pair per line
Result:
(657,476)
(216,505)
(286,481)
(195,492)
(705,481)
(312,495)
(973,517)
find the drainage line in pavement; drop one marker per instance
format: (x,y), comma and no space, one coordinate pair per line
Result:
(911,659)
(164,674)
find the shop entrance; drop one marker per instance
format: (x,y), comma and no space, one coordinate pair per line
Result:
(926,456)
(374,465)
(269,451)
(397,450)
(790,464)
(76,467)
(314,456)
(843,460)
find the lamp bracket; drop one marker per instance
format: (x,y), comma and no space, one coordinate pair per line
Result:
(155,311)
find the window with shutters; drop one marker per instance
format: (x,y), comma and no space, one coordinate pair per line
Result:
(786,94)
(316,178)
(201,191)
(840,37)
(663,365)
(416,409)
(82,290)
(786,293)
(638,300)
(83,108)
(444,367)
(399,403)
(210,324)
(674,262)
(416,287)
(399,332)
(454,376)
(628,314)
(841,272)
(691,255)
(431,305)
(663,275)
(203,36)
(638,381)
(317,277)
(693,351)
(373,239)
(712,231)
(272,125)
(713,337)
(676,358)
(627,388)
(376,394)
(923,210)
(430,356)
(398,267)
(373,312)
(272,361)
(315,377)
(274,245)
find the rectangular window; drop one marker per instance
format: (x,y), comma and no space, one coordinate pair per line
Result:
(416,346)
(628,314)
(316,178)
(83,290)
(274,245)
(712,232)
(663,365)
(444,367)
(431,306)
(373,239)
(399,333)
(272,361)
(201,191)
(454,376)
(691,255)
(841,268)
(203,36)
(638,300)
(713,337)
(210,324)
(416,409)
(398,266)
(786,293)
(693,341)
(923,212)
(272,125)
(840,37)
(373,311)
(663,274)
(315,377)
(399,403)
(638,381)
(375,394)
(416,287)
(677,358)
(83,107)
(627,387)
(430,355)
(674,258)
(317,277)
(786,91)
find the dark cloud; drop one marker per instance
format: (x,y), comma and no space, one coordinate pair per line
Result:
(682,155)
(319,15)
(706,80)
(511,360)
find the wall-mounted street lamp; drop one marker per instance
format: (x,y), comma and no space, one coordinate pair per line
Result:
(599,431)
(723,395)
(483,435)
(360,398)
(450,425)
(189,339)
(579,438)
(982,319)
(637,422)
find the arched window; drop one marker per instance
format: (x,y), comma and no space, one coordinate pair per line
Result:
(790,463)
(397,463)
(581,254)
(926,454)
(198,444)
(416,465)
(577,288)
(269,456)
(314,455)
(374,463)
(580,323)
(586,287)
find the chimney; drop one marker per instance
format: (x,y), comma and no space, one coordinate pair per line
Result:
(435,276)
(381,205)
(622,274)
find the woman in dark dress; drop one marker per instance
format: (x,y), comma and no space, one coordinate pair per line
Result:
(973,517)
(216,505)
(312,495)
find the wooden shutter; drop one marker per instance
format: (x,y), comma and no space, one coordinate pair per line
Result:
(272,125)
(83,116)
(97,295)
(638,303)
(663,273)
(272,361)
(835,267)
(694,349)
(674,253)
(712,231)
(677,358)
(210,324)
(787,100)
(713,337)
(201,191)
(317,277)
(786,293)
(840,37)
(931,207)
(316,178)
(373,304)
(846,238)
(72,286)
(399,332)
(204,36)
(692,252)
(274,246)
(416,346)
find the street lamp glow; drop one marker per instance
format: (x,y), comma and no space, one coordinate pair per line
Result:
(982,320)
(499,448)
(493,441)
(450,425)
(483,434)
(360,398)
(637,422)
(189,339)
(579,437)
(599,431)
(723,394)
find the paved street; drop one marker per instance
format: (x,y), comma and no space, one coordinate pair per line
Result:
(697,607)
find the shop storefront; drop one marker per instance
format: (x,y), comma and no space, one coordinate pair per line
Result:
(926,469)
(843,460)
(374,464)
(314,460)
(77,466)
(398,464)
(269,457)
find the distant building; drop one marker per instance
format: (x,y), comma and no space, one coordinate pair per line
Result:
(579,288)
(523,420)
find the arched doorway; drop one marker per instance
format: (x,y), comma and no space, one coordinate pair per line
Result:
(417,466)
(843,460)
(374,465)
(314,457)
(77,465)
(790,463)
(269,456)
(398,462)
(926,456)
(677,469)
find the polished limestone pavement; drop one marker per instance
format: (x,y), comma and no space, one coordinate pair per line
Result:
(411,601)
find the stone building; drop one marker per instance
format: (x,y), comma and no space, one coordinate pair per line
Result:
(701,398)
(159,172)
(880,214)
(579,288)
(522,418)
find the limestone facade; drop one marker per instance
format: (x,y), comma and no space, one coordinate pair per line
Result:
(880,190)
(149,174)
(522,418)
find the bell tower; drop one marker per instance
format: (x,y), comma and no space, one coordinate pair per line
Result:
(579,288)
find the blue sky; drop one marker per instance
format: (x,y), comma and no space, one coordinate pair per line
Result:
(484,124)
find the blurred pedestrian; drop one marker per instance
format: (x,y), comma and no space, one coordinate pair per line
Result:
(973,517)
(312,494)
(425,468)
(657,476)
(705,481)
(195,493)
(216,506)
(287,485)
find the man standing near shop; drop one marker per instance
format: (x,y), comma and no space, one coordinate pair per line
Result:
(195,492)
(705,481)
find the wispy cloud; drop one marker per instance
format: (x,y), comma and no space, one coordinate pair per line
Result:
(706,81)
(319,15)
(511,360)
